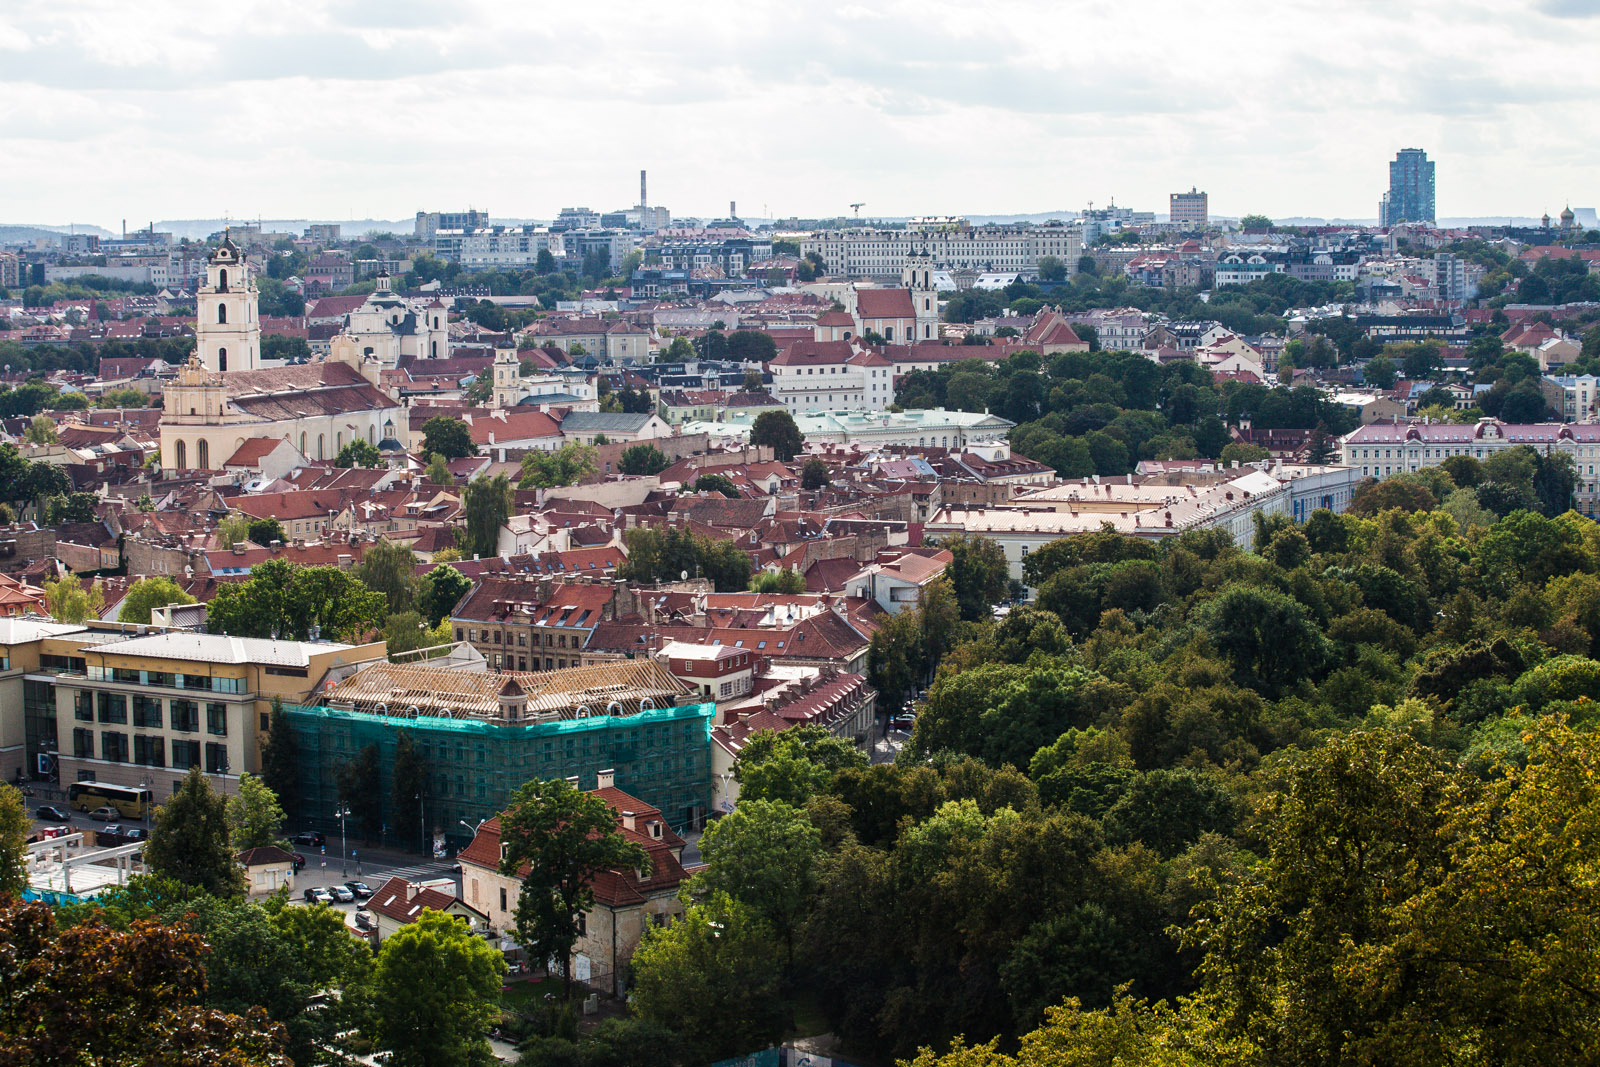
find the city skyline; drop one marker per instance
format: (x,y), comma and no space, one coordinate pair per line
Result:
(342,112)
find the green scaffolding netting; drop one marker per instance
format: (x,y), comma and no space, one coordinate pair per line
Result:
(661,756)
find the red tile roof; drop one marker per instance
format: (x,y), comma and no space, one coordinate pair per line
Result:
(884,304)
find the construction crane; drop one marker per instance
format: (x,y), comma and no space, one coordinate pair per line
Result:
(857,208)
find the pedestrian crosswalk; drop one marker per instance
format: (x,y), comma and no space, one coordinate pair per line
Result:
(417,873)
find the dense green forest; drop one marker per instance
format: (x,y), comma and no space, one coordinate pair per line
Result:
(1338,791)
(1100,413)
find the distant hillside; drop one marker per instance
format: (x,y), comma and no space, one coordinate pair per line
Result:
(17,233)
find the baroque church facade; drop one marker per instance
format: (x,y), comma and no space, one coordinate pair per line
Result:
(223,397)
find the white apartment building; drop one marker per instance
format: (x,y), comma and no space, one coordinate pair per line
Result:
(956,244)
(504,249)
(831,376)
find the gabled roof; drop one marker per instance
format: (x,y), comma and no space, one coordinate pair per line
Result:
(404,902)
(253,451)
(884,304)
(605,421)
(813,353)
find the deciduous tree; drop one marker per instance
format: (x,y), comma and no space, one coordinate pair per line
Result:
(446,436)
(556,839)
(190,840)
(148,594)
(441,1020)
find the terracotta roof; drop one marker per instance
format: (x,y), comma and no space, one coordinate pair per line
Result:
(253,451)
(813,353)
(405,901)
(884,304)
(613,888)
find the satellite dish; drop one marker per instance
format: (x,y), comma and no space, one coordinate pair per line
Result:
(684,575)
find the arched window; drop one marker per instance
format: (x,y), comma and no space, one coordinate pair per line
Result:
(302,444)
(222,359)
(372,437)
(222,281)
(320,449)
(182,456)
(202,451)
(222,313)
(338,442)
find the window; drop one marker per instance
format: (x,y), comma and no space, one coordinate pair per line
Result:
(222,314)
(113,707)
(83,743)
(185,716)
(217,719)
(146,711)
(222,359)
(266,722)
(502,898)
(83,706)
(216,758)
(583,924)
(149,751)
(185,754)
(113,746)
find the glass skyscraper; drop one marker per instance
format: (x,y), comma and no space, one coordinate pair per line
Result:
(1410,195)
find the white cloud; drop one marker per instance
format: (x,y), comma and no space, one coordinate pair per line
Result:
(183,109)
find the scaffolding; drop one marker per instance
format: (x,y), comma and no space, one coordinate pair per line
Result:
(416,691)
(476,760)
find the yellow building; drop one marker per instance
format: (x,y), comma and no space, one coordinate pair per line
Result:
(127,708)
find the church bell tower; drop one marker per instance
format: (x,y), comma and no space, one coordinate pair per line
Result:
(227,320)
(918,277)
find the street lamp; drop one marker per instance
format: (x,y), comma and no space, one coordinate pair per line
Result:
(343,850)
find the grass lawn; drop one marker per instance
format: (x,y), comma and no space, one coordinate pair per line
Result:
(527,997)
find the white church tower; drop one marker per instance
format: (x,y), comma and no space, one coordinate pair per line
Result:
(918,277)
(228,323)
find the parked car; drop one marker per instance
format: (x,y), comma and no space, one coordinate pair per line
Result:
(903,722)
(51,812)
(307,839)
(318,895)
(299,860)
(360,889)
(136,833)
(105,814)
(364,920)
(342,893)
(113,829)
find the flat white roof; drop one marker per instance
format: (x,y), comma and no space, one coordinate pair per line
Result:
(14,631)
(220,648)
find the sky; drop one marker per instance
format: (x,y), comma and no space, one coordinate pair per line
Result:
(340,109)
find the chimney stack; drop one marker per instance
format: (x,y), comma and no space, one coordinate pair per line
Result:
(607,779)
(644,201)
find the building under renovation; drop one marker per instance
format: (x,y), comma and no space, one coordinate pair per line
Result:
(482,735)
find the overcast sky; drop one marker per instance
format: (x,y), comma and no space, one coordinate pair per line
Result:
(358,109)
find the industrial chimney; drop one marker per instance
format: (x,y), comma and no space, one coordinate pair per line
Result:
(644,201)
(733,209)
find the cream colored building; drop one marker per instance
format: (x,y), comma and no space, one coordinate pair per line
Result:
(128,709)
(317,407)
